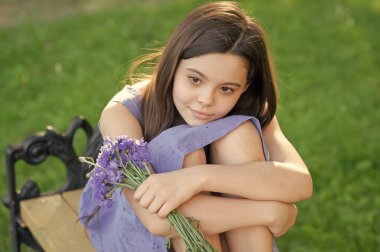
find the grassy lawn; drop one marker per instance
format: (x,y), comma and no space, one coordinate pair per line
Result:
(62,59)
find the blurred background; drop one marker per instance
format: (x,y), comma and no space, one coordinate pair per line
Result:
(60,59)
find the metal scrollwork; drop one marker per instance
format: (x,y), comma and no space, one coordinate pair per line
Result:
(34,150)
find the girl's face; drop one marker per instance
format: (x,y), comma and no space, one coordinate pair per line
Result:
(207,87)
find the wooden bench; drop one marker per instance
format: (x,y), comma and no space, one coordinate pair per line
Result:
(48,221)
(53,221)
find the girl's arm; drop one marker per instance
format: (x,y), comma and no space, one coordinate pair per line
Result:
(286,158)
(287,181)
(116,120)
(279,217)
(285,178)
(231,214)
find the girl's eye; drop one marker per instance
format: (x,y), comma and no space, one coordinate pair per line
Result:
(226,90)
(195,80)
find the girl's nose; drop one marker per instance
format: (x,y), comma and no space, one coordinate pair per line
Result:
(205,98)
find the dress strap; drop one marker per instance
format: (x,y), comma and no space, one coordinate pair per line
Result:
(170,147)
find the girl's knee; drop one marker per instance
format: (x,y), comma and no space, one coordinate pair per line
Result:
(238,146)
(195,158)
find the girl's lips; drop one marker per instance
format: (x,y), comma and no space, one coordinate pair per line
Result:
(200,115)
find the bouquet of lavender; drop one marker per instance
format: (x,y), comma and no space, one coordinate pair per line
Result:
(123,163)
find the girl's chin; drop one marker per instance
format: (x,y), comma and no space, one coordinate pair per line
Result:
(195,122)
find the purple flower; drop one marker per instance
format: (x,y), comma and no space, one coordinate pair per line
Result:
(112,168)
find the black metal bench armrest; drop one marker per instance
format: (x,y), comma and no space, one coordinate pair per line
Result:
(34,150)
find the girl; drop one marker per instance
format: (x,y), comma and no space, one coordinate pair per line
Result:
(211,92)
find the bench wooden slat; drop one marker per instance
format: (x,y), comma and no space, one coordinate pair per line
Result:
(53,222)
(72,198)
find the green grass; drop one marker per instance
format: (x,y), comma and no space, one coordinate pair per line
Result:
(59,60)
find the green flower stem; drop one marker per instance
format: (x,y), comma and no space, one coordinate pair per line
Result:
(121,185)
(193,238)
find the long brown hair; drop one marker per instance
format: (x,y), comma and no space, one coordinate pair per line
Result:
(219,27)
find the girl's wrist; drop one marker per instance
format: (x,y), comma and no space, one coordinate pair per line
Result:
(274,209)
(199,176)
(263,213)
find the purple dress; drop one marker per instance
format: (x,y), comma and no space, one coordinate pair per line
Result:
(118,228)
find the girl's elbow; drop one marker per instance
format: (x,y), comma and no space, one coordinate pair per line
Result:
(306,187)
(300,189)
(158,227)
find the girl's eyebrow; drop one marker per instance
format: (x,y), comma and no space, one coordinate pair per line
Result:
(237,84)
(197,72)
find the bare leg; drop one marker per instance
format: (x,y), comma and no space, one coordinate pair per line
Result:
(195,158)
(250,239)
(238,147)
(179,246)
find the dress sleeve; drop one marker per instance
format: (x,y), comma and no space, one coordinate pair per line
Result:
(169,148)
(131,99)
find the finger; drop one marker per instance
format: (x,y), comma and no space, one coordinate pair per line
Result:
(295,209)
(146,199)
(155,205)
(165,209)
(140,191)
(294,215)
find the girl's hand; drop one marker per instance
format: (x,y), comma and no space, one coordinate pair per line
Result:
(161,193)
(283,217)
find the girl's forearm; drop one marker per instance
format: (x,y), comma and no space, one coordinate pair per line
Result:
(259,180)
(239,168)
(231,214)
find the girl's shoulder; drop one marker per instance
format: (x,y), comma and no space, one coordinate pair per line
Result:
(129,92)
(141,86)
(130,98)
